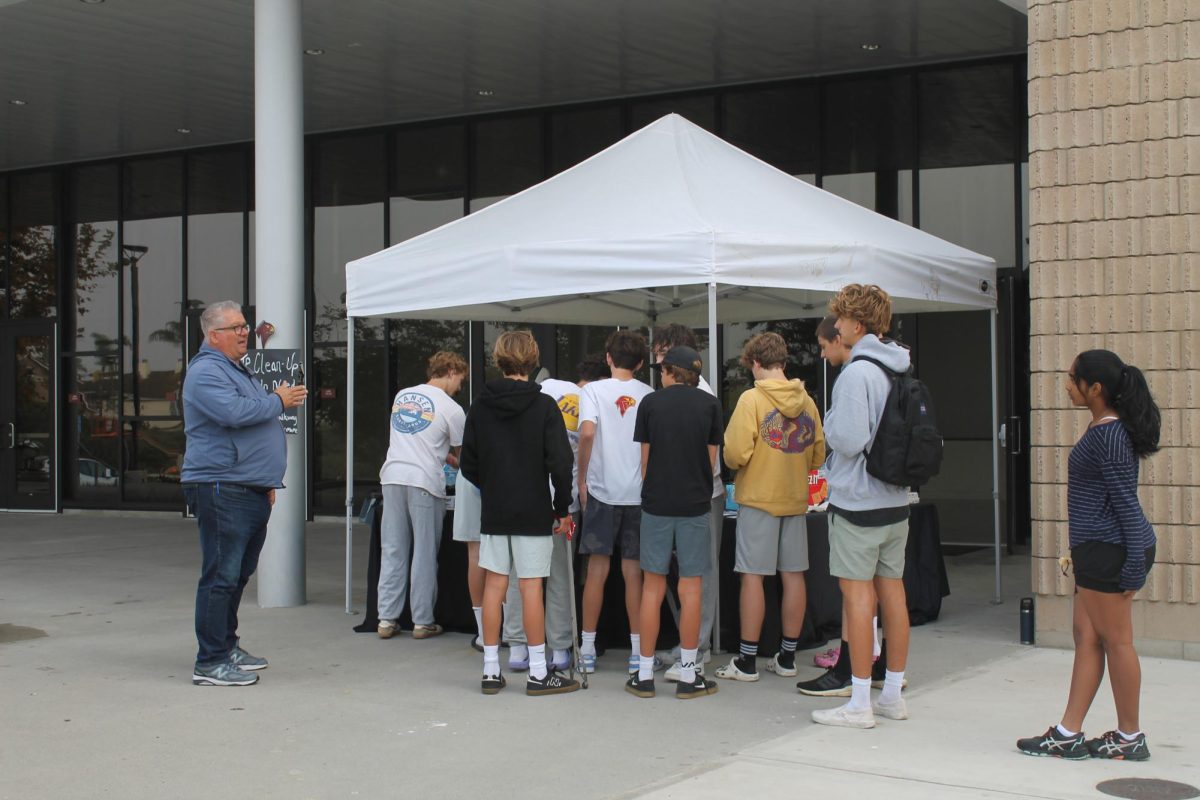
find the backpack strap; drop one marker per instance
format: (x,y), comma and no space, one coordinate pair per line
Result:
(891,373)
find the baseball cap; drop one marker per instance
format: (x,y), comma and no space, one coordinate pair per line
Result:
(681,356)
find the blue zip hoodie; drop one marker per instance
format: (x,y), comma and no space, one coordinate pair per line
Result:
(232,425)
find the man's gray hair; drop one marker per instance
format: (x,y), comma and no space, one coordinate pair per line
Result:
(214,315)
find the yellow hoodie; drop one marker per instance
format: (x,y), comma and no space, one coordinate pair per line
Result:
(773,440)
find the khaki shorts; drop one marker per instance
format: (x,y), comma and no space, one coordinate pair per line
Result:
(861,554)
(523,556)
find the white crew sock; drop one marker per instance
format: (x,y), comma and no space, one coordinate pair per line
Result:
(561,659)
(635,643)
(478,621)
(517,652)
(687,665)
(491,660)
(860,694)
(893,682)
(1064,732)
(537,660)
(589,643)
(645,668)
(877,646)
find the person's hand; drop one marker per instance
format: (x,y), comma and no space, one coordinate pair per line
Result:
(583,494)
(291,396)
(271,496)
(566,526)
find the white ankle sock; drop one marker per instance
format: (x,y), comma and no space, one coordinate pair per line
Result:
(687,665)
(589,643)
(491,660)
(645,668)
(860,693)
(478,621)
(517,652)
(1064,732)
(893,682)
(560,656)
(537,660)
(1129,737)
(635,643)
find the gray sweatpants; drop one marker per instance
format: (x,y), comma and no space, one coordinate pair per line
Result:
(412,523)
(708,583)
(558,599)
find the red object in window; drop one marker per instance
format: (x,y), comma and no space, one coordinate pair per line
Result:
(328,393)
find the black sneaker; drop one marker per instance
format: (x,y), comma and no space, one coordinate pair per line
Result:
(639,688)
(553,683)
(1054,744)
(699,687)
(1115,746)
(829,684)
(492,684)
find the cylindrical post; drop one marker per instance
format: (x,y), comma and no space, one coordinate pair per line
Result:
(279,254)
(349,459)
(714,380)
(995,458)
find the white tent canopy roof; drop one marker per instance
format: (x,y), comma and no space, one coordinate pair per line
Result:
(668,206)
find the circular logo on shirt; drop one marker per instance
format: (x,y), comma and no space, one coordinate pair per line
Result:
(412,413)
(568,404)
(789,434)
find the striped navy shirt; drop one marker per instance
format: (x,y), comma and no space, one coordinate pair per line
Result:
(1102,501)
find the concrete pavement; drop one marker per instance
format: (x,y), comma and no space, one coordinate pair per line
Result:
(102,704)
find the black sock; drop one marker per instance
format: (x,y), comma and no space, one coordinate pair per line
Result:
(880,666)
(842,667)
(748,655)
(787,652)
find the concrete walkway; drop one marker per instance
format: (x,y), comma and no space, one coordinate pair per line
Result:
(96,652)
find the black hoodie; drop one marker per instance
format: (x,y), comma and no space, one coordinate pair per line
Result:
(514,438)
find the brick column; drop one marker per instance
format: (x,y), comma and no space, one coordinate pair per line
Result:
(1114,222)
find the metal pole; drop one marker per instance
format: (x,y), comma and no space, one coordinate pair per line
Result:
(715,382)
(349,458)
(995,458)
(279,252)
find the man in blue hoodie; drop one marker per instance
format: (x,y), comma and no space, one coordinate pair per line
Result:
(868,519)
(235,459)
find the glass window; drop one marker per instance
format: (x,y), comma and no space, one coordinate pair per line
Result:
(152,262)
(507,155)
(3,246)
(348,189)
(94,205)
(868,125)
(153,455)
(33,251)
(413,341)
(428,180)
(93,457)
(781,126)
(216,220)
(804,357)
(575,343)
(700,109)
(578,134)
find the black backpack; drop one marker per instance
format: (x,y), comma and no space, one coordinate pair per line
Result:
(907,450)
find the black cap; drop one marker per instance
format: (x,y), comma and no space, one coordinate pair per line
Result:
(681,356)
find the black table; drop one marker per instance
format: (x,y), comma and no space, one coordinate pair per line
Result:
(925,583)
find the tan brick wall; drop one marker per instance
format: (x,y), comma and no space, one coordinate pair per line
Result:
(1114,226)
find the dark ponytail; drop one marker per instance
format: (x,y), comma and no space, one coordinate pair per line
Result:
(1126,390)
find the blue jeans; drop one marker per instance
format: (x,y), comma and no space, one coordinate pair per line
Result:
(233,527)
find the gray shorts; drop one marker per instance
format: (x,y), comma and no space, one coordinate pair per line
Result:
(687,536)
(860,553)
(767,544)
(523,556)
(467,508)
(605,525)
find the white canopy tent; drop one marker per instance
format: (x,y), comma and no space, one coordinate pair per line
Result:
(670,224)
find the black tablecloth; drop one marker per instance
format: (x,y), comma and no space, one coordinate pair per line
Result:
(925,583)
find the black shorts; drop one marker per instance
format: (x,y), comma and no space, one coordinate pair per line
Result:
(1098,565)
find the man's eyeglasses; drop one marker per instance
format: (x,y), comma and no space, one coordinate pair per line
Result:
(243,328)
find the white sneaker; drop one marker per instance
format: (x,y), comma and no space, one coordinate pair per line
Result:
(894,710)
(387,628)
(672,673)
(773,665)
(844,717)
(730,672)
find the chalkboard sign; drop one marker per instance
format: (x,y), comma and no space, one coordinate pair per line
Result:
(273,368)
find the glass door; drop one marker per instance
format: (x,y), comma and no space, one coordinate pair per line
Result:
(28,417)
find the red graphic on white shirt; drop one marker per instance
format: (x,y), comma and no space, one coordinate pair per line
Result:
(625,402)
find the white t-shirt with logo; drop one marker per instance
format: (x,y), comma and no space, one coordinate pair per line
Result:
(615,469)
(566,395)
(425,424)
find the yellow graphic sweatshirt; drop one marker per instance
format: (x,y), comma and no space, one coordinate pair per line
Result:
(773,440)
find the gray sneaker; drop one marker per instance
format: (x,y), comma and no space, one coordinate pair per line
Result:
(244,661)
(223,674)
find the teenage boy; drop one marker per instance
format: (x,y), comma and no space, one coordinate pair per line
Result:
(868,519)
(426,425)
(774,440)
(514,448)
(665,338)
(558,589)
(679,428)
(610,487)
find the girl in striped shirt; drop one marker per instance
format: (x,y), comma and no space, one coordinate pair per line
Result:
(1112,549)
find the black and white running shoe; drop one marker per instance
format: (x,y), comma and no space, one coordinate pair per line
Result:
(1054,744)
(1115,746)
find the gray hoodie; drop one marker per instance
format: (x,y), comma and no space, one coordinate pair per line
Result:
(850,424)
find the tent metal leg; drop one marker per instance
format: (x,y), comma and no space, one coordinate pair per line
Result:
(995,455)
(714,380)
(349,458)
